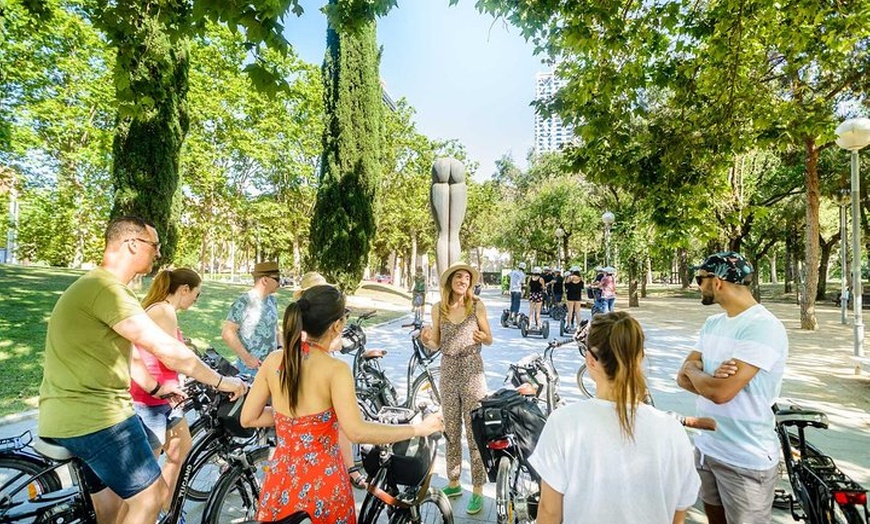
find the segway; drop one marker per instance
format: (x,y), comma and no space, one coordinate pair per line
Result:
(564,328)
(525,330)
(559,311)
(507,322)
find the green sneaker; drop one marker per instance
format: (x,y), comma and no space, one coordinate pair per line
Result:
(452,492)
(475,504)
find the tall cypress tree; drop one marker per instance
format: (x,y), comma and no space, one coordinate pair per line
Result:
(343,225)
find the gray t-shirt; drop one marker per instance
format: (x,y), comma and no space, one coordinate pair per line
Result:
(257,318)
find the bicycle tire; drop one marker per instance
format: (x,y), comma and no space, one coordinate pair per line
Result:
(237,491)
(423,387)
(585,382)
(18,470)
(201,481)
(435,508)
(525,492)
(372,507)
(854,514)
(503,507)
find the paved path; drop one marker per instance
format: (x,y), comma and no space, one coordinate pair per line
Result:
(820,374)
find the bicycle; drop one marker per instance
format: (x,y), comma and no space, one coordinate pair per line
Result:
(400,475)
(517,485)
(36,493)
(821,493)
(374,390)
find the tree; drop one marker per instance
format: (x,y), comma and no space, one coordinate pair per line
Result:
(343,226)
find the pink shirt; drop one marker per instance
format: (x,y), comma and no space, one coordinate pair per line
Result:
(163,374)
(608,287)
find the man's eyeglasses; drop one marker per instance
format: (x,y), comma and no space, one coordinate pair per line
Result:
(155,245)
(700,278)
(585,349)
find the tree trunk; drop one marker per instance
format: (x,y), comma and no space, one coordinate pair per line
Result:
(683,257)
(808,299)
(632,283)
(772,262)
(790,259)
(824,264)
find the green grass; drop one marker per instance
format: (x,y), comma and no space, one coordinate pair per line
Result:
(29,295)
(769,292)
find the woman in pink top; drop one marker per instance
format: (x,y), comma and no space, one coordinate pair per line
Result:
(171,291)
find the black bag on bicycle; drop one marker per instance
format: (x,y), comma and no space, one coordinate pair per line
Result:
(409,465)
(500,414)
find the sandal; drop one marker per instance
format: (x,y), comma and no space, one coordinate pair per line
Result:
(359,480)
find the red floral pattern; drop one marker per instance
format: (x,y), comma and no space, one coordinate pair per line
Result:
(307,472)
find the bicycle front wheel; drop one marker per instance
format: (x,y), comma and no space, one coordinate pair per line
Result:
(434,509)
(503,508)
(237,492)
(372,509)
(585,382)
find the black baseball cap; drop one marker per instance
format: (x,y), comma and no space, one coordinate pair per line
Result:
(729,266)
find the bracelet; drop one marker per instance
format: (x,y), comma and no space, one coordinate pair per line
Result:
(155,390)
(221,379)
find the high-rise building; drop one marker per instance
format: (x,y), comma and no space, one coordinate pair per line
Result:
(550,132)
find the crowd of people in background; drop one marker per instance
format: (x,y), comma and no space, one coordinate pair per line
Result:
(108,393)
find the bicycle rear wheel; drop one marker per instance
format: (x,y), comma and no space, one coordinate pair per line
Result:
(503,508)
(426,391)
(525,494)
(18,472)
(237,492)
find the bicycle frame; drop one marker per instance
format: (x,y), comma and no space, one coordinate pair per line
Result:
(819,489)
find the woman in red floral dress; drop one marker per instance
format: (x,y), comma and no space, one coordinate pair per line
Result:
(312,394)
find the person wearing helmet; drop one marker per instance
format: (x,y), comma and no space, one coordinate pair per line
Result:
(536,297)
(518,277)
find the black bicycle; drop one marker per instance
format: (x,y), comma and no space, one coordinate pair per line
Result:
(820,492)
(374,390)
(399,488)
(32,490)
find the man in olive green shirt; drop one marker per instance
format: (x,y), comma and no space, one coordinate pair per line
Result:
(84,401)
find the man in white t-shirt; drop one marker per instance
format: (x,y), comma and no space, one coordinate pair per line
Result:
(737,373)
(518,277)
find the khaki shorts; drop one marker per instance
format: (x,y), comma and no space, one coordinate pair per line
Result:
(745,494)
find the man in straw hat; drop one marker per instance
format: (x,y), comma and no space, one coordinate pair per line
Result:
(251,327)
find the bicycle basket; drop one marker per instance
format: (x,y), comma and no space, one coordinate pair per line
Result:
(229,413)
(409,465)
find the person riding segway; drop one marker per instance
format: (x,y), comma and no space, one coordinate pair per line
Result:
(533,324)
(517,277)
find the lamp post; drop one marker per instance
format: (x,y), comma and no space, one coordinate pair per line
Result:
(854,135)
(608,218)
(843,196)
(560,233)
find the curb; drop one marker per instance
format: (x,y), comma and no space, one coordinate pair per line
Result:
(19,417)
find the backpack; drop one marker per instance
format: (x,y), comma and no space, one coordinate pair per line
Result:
(502,413)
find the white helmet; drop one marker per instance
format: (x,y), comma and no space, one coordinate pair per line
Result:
(574,268)
(521,265)
(546,268)
(536,270)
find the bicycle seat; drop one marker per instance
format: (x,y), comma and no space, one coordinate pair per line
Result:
(373,353)
(797,416)
(52,451)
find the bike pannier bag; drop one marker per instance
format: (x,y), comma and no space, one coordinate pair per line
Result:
(409,465)
(500,414)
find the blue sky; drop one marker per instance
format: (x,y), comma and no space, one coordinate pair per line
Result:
(469,77)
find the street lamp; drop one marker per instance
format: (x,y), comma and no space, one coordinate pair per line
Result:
(854,135)
(842,196)
(608,218)
(560,233)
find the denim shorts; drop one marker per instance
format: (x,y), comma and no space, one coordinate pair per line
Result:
(157,421)
(117,457)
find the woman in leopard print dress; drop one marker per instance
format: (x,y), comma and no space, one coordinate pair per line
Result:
(460,327)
